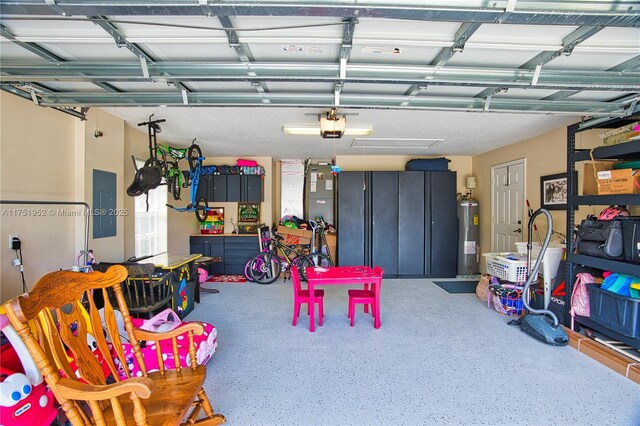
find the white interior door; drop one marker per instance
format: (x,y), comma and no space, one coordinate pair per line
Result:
(507,205)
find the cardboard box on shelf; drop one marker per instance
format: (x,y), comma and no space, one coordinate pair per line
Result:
(589,184)
(623,181)
(294,236)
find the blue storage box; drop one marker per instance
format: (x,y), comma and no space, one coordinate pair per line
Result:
(427,164)
(618,313)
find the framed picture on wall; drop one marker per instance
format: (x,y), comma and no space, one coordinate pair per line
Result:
(249,213)
(554,191)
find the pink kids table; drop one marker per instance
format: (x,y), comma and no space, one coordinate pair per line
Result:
(342,275)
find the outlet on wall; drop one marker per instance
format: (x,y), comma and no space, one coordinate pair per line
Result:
(14,242)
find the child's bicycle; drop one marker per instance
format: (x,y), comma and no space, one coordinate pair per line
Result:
(265,243)
(265,268)
(167,157)
(197,204)
(170,156)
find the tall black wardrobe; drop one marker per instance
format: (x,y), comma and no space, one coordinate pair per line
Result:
(404,222)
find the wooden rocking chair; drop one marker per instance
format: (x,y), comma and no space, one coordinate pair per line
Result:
(60,314)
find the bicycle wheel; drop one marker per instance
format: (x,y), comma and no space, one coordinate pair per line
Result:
(174,187)
(192,157)
(247,273)
(313,260)
(202,209)
(265,268)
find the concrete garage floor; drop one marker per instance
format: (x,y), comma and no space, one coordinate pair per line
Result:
(438,358)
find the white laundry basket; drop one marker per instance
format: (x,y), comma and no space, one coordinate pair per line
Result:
(550,262)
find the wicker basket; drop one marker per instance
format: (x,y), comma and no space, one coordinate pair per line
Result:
(482,289)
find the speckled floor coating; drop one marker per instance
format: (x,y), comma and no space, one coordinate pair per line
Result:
(438,358)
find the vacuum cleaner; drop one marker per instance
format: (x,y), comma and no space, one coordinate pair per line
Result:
(540,323)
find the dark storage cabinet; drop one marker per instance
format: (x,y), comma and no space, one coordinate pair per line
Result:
(352,238)
(231,188)
(229,253)
(212,247)
(237,251)
(404,222)
(384,221)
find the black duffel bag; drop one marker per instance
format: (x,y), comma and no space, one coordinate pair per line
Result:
(631,238)
(600,238)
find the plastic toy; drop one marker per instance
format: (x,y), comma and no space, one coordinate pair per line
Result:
(25,399)
(206,343)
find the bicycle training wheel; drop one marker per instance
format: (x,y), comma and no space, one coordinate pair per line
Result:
(265,268)
(192,157)
(202,209)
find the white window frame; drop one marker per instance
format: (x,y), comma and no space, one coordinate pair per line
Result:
(151,226)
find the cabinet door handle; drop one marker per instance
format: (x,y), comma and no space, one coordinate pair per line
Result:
(519,230)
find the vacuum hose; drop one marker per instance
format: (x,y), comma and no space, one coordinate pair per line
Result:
(536,267)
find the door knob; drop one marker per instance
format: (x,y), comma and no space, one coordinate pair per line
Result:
(519,230)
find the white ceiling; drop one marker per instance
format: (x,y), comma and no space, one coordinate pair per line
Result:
(413,69)
(238,132)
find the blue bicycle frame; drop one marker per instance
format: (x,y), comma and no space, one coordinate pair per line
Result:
(194,205)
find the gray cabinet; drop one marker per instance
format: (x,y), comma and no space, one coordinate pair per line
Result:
(231,188)
(229,253)
(212,247)
(404,222)
(384,221)
(251,188)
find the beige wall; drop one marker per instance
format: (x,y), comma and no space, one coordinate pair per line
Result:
(49,155)
(105,153)
(545,154)
(38,162)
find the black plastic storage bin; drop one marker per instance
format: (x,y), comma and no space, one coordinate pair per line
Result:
(427,164)
(618,313)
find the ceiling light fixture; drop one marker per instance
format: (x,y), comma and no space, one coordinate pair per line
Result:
(332,126)
(315,131)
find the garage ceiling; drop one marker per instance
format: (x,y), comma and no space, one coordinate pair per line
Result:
(478,75)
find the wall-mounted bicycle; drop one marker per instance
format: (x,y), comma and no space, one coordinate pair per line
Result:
(197,204)
(167,157)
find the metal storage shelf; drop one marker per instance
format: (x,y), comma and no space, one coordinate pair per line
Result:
(606,264)
(590,200)
(629,150)
(623,150)
(587,322)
